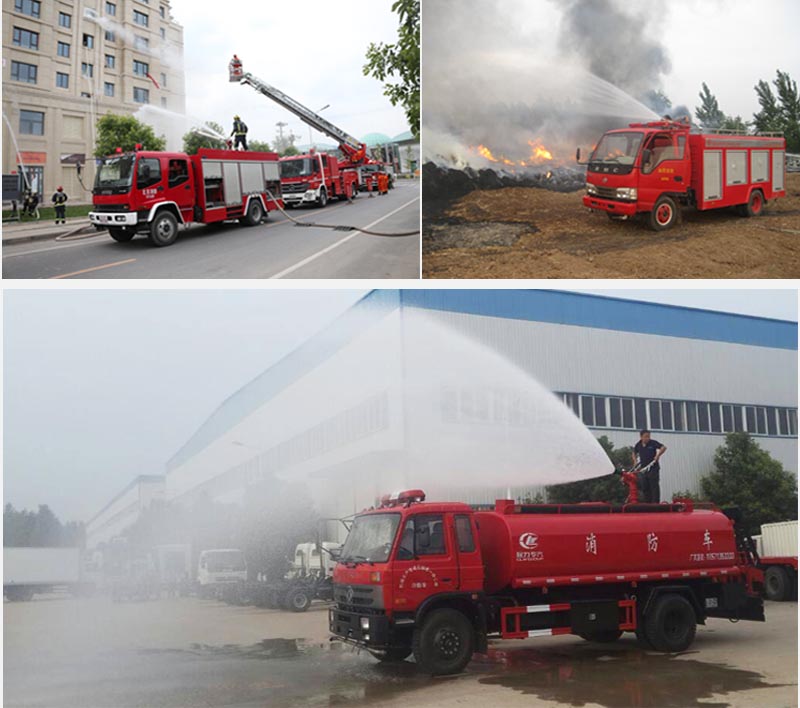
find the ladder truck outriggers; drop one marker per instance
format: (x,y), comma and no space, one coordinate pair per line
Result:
(316,177)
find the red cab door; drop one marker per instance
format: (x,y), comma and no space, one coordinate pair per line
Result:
(665,166)
(180,186)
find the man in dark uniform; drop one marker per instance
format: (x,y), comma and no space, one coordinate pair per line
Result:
(239,133)
(645,452)
(60,200)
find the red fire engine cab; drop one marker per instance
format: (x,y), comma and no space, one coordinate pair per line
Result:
(315,178)
(438,579)
(656,168)
(154,192)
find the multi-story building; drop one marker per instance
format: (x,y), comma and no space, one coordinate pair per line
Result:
(66,63)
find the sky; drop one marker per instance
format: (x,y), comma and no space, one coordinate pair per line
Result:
(104,385)
(314,51)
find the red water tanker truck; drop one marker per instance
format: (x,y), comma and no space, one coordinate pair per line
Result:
(656,168)
(438,579)
(154,192)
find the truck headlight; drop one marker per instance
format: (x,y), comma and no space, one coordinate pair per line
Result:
(365,623)
(590,188)
(627,193)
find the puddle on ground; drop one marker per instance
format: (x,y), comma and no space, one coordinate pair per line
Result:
(613,677)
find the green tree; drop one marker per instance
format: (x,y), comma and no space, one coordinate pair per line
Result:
(397,65)
(608,488)
(709,114)
(746,476)
(768,119)
(194,140)
(258,146)
(736,124)
(289,151)
(124,132)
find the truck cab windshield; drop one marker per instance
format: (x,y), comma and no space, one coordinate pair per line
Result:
(617,148)
(370,539)
(115,175)
(222,561)
(302,167)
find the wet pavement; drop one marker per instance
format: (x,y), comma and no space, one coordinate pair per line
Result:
(186,652)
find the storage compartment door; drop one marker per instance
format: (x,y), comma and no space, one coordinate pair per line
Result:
(778,170)
(712,175)
(233,188)
(759,165)
(735,167)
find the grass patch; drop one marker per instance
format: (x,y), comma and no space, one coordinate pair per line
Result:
(49,213)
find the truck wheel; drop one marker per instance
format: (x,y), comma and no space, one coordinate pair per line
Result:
(444,643)
(323,198)
(664,214)
(298,600)
(121,235)
(391,655)
(755,205)
(164,229)
(255,213)
(605,636)
(671,624)
(776,583)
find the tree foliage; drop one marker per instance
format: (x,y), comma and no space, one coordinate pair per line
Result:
(397,65)
(608,488)
(125,132)
(258,145)
(708,113)
(782,112)
(748,477)
(194,140)
(40,528)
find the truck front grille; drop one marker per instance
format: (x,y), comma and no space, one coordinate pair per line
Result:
(110,207)
(294,187)
(606,192)
(358,597)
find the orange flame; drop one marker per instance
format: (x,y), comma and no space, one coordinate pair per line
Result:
(539,153)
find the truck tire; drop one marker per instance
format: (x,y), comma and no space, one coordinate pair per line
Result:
(255,213)
(393,654)
(776,584)
(664,215)
(163,229)
(670,624)
(323,198)
(605,636)
(298,600)
(755,205)
(121,235)
(444,643)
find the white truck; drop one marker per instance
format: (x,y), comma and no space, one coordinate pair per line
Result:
(220,568)
(777,551)
(28,571)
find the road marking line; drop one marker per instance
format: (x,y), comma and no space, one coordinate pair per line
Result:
(328,249)
(90,270)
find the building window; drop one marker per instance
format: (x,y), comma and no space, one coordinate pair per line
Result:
(25,38)
(63,49)
(716,422)
(666,415)
(738,422)
(702,418)
(163,101)
(140,18)
(110,36)
(761,420)
(141,95)
(88,41)
(163,33)
(87,69)
(140,68)
(64,20)
(587,410)
(691,416)
(793,422)
(108,89)
(600,411)
(162,11)
(677,411)
(141,42)
(727,419)
(111,9)
(26,73)
(163,80)
(62,80)
(28,7)
(111,61)
(85,94)
(31,122)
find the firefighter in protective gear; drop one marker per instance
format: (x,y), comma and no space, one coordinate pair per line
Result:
(239,133)
(60,201)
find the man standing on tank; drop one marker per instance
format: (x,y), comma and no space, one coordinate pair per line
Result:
(645,452)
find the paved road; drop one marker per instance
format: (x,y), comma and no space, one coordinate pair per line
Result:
(91,653)
(276,249)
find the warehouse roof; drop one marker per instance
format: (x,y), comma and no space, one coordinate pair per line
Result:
(558,307)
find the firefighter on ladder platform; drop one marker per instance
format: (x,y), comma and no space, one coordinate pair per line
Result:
(239,133)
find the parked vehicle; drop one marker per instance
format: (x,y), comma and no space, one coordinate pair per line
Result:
(656,168)
(437,579)
(220,568)
(316,178)
(777,550)
(31,571)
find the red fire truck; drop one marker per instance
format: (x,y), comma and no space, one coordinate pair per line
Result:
(437,579)
(153,192)
(315,178)
(657,168)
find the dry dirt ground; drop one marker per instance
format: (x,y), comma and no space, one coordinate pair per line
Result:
(535,233)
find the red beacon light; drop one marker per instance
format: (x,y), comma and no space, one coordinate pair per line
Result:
(138,147)
(118,151)
(410,496)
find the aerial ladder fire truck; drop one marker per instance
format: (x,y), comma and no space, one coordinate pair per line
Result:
(317,177)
